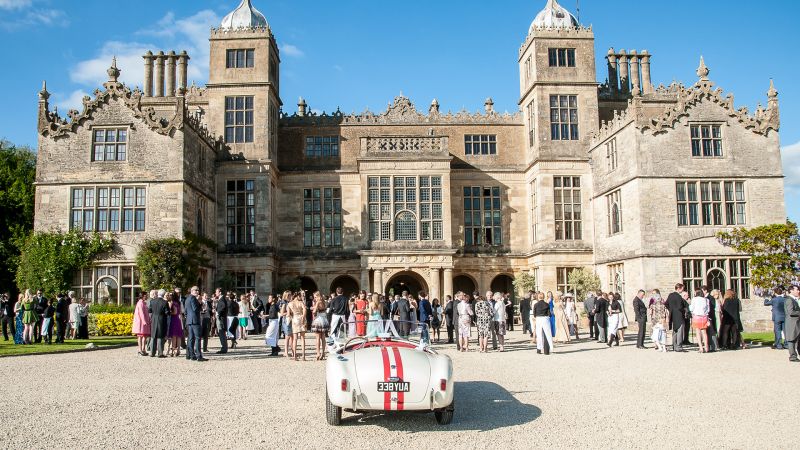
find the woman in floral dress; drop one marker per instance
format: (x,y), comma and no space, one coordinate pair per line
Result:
(658,320)
(483,313)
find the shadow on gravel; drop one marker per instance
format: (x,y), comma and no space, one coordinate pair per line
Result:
(479,406)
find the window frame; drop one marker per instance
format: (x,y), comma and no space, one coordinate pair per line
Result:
(475,201)
(239,131)
(711,203)
(108,209)
(240,214)
(564,226)
(706,140)
(322,146)
(480,144)
(614,221)
(564,117)
(117,146)
(322,217)
(240,58)
(389,195)
(561,57)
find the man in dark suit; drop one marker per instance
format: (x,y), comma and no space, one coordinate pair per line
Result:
(640,310)
(194,326)
(7,315)
(677,314)
(233,312)
(791,309)
(588,306)
(39,305)
(222,321)
(713,341)
(62,318)
(778,316)
(257,309)
(158,327)
(525,312)
(402,309)
(601,319)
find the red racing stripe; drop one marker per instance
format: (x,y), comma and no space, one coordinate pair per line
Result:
(399,362)
(387,396)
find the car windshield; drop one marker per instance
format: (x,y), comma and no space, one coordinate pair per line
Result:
(413,331)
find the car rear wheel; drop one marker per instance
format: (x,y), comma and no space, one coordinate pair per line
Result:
(332,412)
(444,416)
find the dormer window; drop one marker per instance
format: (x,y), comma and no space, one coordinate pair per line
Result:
(706,141)
(110,144)
(240,58)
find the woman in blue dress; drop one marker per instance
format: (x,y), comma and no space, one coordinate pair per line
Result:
(18,325)
(552,315)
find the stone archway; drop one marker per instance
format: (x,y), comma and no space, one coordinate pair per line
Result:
(309,285)
(464,283)
(407,280)
(505,284)
(348,284)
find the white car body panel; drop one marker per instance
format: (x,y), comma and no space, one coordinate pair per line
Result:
(364,368)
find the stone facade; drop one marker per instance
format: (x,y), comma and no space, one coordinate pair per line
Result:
(542,176)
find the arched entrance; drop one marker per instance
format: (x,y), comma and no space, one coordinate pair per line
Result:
(464,284)
(308,285)
(348,284)
(715,280)
(505,284)
(406,281)
(107,290)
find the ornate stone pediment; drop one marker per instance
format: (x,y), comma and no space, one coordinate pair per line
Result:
(404,144)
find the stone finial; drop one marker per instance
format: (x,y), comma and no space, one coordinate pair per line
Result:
(488,105)
(702,70)
(434,109)
(43,94)
(772,93)
(301,107)
(113,71)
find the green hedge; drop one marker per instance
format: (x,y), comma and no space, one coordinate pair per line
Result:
(112,309)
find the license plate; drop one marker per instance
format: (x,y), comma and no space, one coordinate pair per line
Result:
(394,386)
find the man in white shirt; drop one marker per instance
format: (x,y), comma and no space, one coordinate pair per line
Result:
(499,319)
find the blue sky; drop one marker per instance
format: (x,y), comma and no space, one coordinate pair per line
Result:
(357,54)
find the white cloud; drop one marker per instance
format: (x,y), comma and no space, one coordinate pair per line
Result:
(189,33)
(791,165)
(15,4)
(292,50)
(73,100)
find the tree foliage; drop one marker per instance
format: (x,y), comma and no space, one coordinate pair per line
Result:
(49,260)
(774,250)
(171,262)
(524,282)
(17,174)
(583,280)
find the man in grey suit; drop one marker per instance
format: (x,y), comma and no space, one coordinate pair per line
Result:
(588,306)
(158,328)
(194,326)
(792,324)
(402,308)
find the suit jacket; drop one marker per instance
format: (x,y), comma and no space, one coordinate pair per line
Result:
(792,325)
(62,310)
(159,309)
(525,308)
(589,304)
(639,309)
(403,309)
(600,310)
(192,310)
(222,308)
(425,310)
(778,308)
(677,310)
(40,304)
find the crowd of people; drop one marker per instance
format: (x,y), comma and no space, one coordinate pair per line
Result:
(168,318)
(33,319)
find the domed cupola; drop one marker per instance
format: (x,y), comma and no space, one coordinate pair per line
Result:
(244,16)
(554,16)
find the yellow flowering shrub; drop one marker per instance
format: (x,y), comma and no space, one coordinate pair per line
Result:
(110,324)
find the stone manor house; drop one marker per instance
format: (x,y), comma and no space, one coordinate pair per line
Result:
(630,179)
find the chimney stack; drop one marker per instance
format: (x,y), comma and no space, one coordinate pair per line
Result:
(635,81)
(301,107)
(159,91)
(148,74)
(183,63)
(647,85)
(613,77)
(624,76)
(170,92)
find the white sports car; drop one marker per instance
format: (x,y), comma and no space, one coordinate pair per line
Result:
(388,373)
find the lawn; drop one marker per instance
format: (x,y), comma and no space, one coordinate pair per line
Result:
(8,348)
(763,338)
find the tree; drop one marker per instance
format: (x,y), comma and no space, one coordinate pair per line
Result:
(583,280)
(171,262)
(49,260)
(774,250)
(17,175)
(524,282)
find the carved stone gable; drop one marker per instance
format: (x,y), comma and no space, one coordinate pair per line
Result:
(402,110)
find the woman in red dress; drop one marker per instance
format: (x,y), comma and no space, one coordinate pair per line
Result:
(361,313)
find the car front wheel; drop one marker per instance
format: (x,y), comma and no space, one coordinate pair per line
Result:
(444,416)
(334,413)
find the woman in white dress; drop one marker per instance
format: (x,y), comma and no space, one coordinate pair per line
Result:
(572,314)
(245,324)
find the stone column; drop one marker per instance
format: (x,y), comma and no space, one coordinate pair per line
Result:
(148,74)
(613,77)
(635,83)
(647,85)
(171,74)
(183,63)
(377,281)
(624,78)
(435,292)
(159,91)
(448,283)
(365,279)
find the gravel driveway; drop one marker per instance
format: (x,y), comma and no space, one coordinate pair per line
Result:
(584,395)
